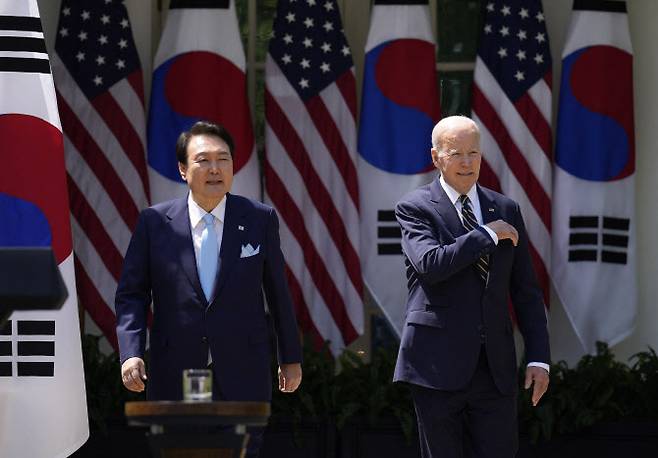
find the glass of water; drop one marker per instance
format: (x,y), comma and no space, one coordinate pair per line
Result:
(197,385)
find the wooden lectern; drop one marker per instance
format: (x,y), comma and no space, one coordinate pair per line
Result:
(183,429)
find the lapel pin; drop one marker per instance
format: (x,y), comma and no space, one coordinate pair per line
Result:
(241,228)
(491,210)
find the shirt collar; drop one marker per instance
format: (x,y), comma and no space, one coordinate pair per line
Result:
(453,195)
(197,213)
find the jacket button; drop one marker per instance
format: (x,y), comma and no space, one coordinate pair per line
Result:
(483,333)
(204,339)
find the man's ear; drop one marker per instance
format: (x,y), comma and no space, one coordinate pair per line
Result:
(435,157)
(182,168)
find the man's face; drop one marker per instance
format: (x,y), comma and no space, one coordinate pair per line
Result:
(209,170)
(460,158)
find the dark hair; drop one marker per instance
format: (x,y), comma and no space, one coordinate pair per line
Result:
(202,128)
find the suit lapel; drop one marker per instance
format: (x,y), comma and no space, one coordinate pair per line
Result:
(446,209)
(229,252)
(488,206)
(180,223)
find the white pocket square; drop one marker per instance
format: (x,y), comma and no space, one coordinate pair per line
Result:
(248,251)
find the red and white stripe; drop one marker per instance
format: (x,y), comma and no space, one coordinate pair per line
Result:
(311,180)
(104,143)
(516,147)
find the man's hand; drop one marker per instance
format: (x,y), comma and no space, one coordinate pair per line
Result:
(504,231)
(133,374)
(539,376)
(290,377)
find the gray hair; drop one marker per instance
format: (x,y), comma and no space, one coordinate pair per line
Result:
(447,124)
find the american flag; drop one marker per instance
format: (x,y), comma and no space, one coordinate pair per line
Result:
(310,166)
(101,103)
(512,105)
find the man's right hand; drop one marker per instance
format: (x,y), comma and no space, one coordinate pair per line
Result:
(504,231)
(133,374)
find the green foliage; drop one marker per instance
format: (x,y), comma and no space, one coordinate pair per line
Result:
(316,396)
(599,389)
(106,395)
(368,392)
(645,371)
(358,390)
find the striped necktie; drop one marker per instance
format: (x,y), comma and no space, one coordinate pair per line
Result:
(470,223)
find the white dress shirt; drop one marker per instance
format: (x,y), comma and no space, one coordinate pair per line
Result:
(197,225)
(472,194)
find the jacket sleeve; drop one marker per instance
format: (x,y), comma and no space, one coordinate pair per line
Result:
(433,261)
(278,297)
(133,296)
(527,298)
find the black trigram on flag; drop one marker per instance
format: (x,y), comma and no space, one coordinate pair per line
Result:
(594,239)
(29,349)
(389,233)
(22,45)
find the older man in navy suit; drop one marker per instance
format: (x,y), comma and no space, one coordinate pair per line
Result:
(466,253)
(205,261)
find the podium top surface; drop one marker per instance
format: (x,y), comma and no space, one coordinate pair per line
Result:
(197,413)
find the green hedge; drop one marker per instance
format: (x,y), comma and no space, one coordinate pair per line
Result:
(598,389)
(106,395)
(357,390)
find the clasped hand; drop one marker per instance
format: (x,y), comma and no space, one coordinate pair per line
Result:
(504,231)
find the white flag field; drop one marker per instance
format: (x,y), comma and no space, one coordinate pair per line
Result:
(594,242)
(43,412)
(399,107)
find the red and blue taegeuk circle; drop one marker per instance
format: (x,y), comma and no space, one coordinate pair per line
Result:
(190,87)
(595,139)
(400,105)
(34,207)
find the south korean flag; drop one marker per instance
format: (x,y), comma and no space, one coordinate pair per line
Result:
(43,411)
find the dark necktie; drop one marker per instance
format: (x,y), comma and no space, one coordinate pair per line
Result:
(470,223)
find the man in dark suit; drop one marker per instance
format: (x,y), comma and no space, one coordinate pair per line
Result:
(204,261)
(466,253)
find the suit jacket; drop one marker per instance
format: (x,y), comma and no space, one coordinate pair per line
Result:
(160,265)
(450,310)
